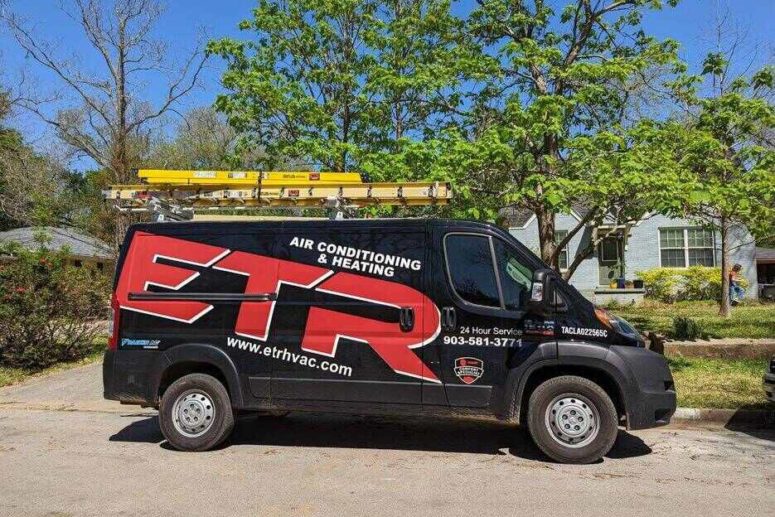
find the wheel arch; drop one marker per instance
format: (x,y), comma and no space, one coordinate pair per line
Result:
(189,358)
(585,360)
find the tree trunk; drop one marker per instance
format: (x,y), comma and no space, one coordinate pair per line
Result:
(545,221)
(725,309)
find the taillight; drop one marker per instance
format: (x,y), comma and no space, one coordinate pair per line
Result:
(114,323)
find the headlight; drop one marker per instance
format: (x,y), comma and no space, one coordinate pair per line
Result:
(617,324)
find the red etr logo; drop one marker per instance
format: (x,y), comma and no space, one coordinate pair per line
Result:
(324,327)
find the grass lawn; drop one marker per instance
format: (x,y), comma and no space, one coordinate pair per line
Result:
(10,376)
(749,320)
(719,383)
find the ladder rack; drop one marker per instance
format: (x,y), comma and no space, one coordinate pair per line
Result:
(177,194)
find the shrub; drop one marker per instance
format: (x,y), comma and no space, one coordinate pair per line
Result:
(686,328)
(660,283)
(48,309)
(676,284)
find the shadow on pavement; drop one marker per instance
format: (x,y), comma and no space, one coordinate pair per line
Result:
(434,435)
(140,431)
(759,424)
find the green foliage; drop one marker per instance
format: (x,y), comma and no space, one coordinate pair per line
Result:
(518,104)
(683,284)
(338,84)
(48,308)
(551,126)
(725,153)
(31,185)
(686,329)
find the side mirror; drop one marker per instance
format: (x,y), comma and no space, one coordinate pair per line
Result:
(543,296)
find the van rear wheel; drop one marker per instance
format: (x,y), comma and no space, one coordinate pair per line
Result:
(572,419)
(195,413)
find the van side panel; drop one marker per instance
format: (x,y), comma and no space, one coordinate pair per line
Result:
(187,263)
(348,325)
(324,315)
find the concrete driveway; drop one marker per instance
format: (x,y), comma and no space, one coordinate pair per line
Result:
(65,451)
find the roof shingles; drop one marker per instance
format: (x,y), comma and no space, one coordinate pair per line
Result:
(79,244)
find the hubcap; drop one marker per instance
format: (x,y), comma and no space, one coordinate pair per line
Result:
(572,420)
(193,413)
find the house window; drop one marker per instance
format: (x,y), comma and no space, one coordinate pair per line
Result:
(609,249)
(682,247)
(563,258)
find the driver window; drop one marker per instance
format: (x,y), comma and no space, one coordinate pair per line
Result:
(516,278)
(469,260)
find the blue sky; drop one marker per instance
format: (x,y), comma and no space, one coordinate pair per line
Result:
(184,20)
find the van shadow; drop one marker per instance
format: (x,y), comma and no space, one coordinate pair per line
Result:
(754,422)
(360,432)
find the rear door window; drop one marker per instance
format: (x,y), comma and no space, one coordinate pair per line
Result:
(471,271)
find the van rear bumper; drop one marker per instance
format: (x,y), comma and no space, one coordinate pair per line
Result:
(126,376)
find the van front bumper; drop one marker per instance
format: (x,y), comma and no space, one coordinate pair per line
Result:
(126,376)
(650,397)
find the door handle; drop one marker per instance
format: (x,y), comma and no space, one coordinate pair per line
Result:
(448,318)
(406,319)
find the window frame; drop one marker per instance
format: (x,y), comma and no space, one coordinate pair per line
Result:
(565,249)
(451,283)
(685,244)
(617,252)
(500,311)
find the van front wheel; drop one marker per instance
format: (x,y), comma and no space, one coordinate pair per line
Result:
(572,419)
(195,413)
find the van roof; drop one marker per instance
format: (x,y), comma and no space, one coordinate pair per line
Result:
(180,227)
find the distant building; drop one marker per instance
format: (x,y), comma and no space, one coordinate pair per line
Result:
(765,266)
(82,248)
(652,241)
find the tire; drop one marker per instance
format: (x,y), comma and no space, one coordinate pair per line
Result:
(204,402)
(572,420)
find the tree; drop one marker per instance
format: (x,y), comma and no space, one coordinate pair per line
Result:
(30,183)
(106,119)
(338,84)
(561,81)
(203,139)
(726,149)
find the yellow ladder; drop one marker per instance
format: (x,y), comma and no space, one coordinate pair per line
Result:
(179,192)
(222,178)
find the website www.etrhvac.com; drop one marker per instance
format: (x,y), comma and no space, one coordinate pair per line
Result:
(289,357)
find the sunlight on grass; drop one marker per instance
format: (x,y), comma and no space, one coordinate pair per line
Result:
(719,383)
(749,320)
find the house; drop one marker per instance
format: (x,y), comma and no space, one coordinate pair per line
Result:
(652,241)
(83,248)
(765,266)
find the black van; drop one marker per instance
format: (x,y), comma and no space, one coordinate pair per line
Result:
(389,316)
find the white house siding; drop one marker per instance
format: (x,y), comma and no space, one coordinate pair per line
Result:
(642,251)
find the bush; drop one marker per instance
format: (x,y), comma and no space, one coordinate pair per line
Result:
(686,329)
(683,284)
(48,309)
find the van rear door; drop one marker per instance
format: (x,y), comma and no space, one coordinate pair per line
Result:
(351,336)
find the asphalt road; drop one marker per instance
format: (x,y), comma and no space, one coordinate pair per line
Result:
(65,451)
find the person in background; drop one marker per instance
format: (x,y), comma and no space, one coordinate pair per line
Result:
(736,291)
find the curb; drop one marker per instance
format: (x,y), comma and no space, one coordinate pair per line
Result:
(722,348)
(726,417)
